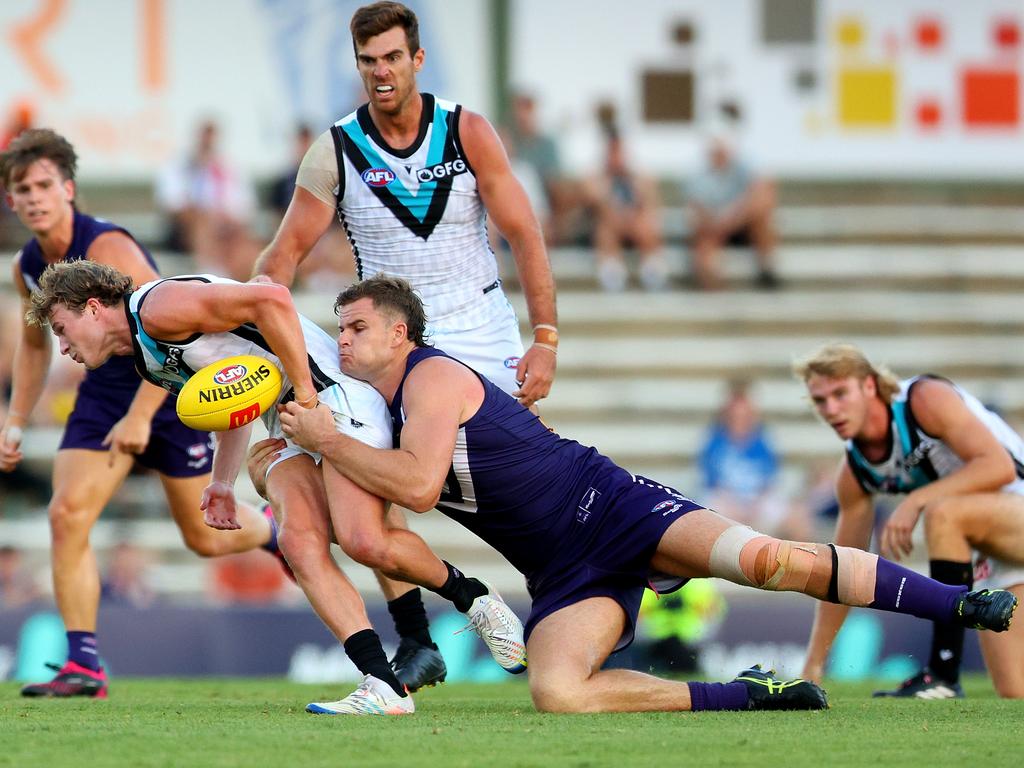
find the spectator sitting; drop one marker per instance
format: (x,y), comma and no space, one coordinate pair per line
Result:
(126,580)
(17,585)
(739,465)
(283,186)
(626,206)
(330,262)
(529,147)
(209,205)
(247,577)
(729,205)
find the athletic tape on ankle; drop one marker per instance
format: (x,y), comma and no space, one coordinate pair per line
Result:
(856,576)
(725,554)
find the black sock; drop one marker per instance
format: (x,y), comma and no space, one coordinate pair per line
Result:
(365,650)
(948,639)
(410,617)
(460,589)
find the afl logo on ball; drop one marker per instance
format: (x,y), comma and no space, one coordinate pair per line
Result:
(511,362)
(230,374)
(377,177)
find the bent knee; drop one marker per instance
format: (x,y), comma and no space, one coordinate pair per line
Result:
(205,544)
(941,515)
(555,696)
(304,551)
(1009,690)
(369,549)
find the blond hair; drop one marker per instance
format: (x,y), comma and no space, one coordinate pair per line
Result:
(839,361)
(72,284)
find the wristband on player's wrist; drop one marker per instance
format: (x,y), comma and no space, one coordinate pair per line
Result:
(546,336)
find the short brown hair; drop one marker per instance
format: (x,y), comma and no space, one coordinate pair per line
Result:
(391,295)
(37,144)
(377,18)
(73,283)
(838,361)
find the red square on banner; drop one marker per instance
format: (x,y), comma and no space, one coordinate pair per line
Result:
(991,98)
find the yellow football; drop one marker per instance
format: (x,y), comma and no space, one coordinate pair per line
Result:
(229,393)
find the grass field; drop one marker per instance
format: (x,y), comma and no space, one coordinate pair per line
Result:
(166,722)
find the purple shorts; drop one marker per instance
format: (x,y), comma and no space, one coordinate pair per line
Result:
(616,561)
(174,449)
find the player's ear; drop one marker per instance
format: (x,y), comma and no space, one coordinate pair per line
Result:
(69,190)
(400,332)
(418,59)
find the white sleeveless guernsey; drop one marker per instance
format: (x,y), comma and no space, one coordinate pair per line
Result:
(416,213)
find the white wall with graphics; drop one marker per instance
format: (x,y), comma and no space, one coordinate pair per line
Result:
(128,80)
(914,88)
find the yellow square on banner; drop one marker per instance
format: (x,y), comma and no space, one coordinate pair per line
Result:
(867,97)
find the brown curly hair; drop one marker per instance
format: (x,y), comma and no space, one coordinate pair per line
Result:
(72,284)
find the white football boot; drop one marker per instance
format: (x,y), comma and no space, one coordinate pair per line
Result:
(500,629)
(372,697)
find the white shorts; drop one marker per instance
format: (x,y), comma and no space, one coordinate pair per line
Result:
(990,573)
(359,412)
(492,350)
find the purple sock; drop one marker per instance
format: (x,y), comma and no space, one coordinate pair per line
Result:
(271,544)
(714,697)
(901,590)
(82,649)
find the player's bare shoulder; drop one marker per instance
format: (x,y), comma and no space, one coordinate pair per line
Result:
(117,249)
(933,401)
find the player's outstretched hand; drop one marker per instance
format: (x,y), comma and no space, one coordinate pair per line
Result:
(261,456)
(129,435)
(536,371)
(308,427)
(218,505)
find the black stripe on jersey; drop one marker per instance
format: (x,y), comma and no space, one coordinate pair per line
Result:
(336,136)
(139,357)
(250,333)
(426,118)
(453,131)
(339,155)
(1018,467)
(439,198)
(864,479)
(913,432)
(181,279)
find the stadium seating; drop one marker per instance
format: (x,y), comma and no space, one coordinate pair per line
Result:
(920,286)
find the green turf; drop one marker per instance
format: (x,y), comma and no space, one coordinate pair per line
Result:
(162,722)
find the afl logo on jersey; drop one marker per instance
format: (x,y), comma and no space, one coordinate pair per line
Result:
(441,170)
(377,177)
(666,507)
(511,362)
(230,374)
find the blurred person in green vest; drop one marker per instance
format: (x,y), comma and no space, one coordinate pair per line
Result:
(675,624)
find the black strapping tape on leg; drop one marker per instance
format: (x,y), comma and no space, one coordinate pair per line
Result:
(833,582)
